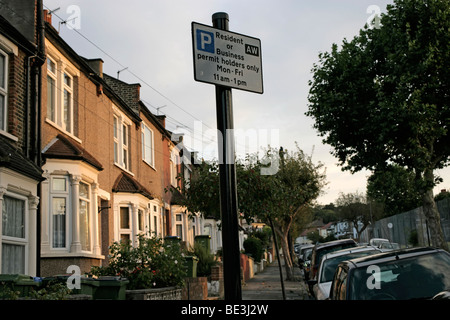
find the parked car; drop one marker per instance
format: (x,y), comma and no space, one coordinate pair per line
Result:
(377,241)
(388,246)
(415,273)
(302,251)
(304,260)
(328,265)
(321,249)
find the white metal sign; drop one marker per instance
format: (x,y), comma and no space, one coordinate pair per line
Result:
(227,58)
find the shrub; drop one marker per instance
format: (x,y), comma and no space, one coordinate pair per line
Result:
(152,264)
(253,247)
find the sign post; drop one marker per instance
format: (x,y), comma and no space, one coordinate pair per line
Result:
(228,60)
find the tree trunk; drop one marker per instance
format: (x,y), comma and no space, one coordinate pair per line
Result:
(286,255)
(432,215)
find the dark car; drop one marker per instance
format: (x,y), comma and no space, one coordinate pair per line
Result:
(415,273)
(322,249)
(304,260)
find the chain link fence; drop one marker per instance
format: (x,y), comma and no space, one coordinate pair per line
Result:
(409,228)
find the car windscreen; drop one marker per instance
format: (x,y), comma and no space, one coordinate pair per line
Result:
(329,265)
(323,251)
(419,277)
(308,254)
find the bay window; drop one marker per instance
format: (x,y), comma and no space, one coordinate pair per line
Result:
(85,237)
(125,224)
(14,239)
(70,198)
(59,205)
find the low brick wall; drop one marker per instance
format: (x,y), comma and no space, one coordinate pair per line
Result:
(216,285)
(247,267)
(169,293)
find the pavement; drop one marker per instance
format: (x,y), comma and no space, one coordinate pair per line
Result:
(266,285)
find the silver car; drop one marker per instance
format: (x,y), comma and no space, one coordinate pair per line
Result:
(329,264)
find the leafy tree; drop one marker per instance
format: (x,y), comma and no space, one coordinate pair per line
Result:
(315,237)
(283,198)
(357,209)
(325,213)
(292,191)
(396,188)
(382,98)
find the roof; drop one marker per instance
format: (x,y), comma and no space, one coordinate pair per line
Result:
(349,251)
(328,225)
(12,158)
(393,255)
(334,243)
(126,183)
(67,148)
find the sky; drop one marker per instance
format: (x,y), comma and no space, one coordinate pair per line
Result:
(150,42)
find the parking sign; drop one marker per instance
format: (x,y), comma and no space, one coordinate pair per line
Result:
(227,58)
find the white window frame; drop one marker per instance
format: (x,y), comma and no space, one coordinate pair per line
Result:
(4,92)
(60,88)
(148,158)
(68,88)
(126,231)
(122,141)
(89,215)
(15,240)
(173,169)
(53,75)
(60,194)
(116,139)
(125,146)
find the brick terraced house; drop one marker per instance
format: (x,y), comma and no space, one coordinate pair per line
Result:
(83,162)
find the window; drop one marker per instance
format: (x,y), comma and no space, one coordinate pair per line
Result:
(121,132)
(173,169)
(147,145)
(59,205)
(67,110)
(155,225)
(141,220)
(180,231)
(116,140)
(51,90)
(125,225)
(60,96)
(3,90)
(125,146)
(13,235)
(85,237)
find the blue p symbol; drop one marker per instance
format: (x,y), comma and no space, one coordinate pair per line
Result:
(205,41)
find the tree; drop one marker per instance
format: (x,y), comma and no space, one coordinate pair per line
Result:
(291,193)
(283,198)
(357,209)
(395,188)
(382,98)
